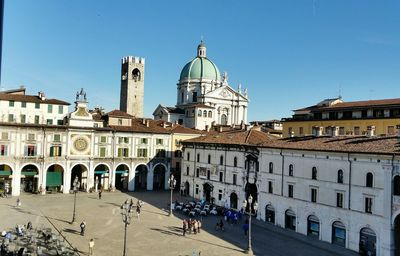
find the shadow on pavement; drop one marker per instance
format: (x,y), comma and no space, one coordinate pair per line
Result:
(72,231)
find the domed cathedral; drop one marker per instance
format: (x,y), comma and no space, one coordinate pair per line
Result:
(204,97)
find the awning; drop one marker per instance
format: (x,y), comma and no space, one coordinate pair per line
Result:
(29,173)
(100,172)
(5,173)
(121,172)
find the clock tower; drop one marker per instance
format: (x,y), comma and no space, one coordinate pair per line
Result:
(132,86)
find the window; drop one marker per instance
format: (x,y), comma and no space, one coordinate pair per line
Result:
(221,176)
(37,119)
(197,172)
(290,191)
(368,204)
(341,130)
(11,103)
(194,96)
(339,200)
(23,119)
(4,135)
(37,105)
(356,130)
(290,220)
(220,195)
(270,214)
(23,104)
(160,152)
(159,142)
(60,109)
(61,122)
(103,139)
(199,113)
(3,150)
(221,160)
(55,151)
(271,167)
(235,161)
(205,113)
(369,180)
(143,141)
(396,185)
(49,121)
(301,131)
(30,150)
(314,195)
(208,174)
(49,108)
(339,234)
(197,189)
(102,151)
(234,179)
(198,157)
(119,121)
(10,118)
(188,156)
(340,176)
(290,169)
(209,114)
(31,136)
(270,188)
(56,138)
(290,130)
(187,170)
(124,152)
(142,152)
(123,140)
(209,159)
(314,173)
(181,97)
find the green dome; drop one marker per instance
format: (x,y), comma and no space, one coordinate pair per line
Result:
(200,67)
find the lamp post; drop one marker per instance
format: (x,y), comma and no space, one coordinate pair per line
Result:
(248,202)
(172,184)
(75,185)
(126,213)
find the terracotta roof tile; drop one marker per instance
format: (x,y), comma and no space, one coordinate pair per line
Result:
(118,113)
(31,98)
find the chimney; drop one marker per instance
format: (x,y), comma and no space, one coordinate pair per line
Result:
(41,95)
(371,131)
(164,125)
(144,121)
(335,131)
(147,123)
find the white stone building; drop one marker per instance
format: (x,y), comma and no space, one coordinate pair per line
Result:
(342,190)
(204,98)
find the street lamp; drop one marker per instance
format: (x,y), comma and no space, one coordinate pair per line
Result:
(126,213)
(75,185)
(248,202)
(172,184)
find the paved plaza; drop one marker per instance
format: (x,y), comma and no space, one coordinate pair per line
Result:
(155,233)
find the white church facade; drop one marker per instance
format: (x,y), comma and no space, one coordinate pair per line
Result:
(204,97)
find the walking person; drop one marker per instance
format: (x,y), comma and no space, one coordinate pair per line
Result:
(194,227)
(100,191)
(190,226)
(83,227)
(91,246)
(221,225)
(184,226)
(138,212)
(18,202)
(198,226)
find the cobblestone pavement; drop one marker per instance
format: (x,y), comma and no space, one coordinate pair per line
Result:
(155,233)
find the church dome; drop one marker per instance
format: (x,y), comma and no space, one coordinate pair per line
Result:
(201,67)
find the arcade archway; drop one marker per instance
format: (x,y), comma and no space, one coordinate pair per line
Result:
(251,189)
(29,178)
(141,177)
(367,242)
(121,177)
(81,172)
(234,200)
(54,178)
(102,176)
(5,179)
(207,192)
(159,177)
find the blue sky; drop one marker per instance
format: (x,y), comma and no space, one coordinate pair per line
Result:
(290,54)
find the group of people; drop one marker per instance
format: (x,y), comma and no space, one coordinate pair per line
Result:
(233,217)
(191,225)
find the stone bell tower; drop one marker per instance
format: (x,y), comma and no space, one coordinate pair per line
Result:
(132,86)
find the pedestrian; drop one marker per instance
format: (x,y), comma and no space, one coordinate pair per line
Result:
(131,203)
(29,226)
(195,227)
(91,246)
(184,226)
(221,225)
(100,191)
(83,227)
(18,202)
(190,226)
(198,226)
(138,212)
(235,218)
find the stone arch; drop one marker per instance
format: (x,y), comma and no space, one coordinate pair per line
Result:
(313,226)
(290,219)
(141,171)
(224,119)
(159,172)
(251,189)
(54,178)
(339,233)
(270,213)
(208,191)
(29,178)
(367,244)
(136,74)
(82,172)
(102,176)
(233,200)
(6,174)
(121,176)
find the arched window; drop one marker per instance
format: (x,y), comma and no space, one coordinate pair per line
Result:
(224,119)
(205,113)
(209,159)
(199,113)
(270,214)
(235,161)
(290,169)
(198,157)
(340,176)
(396,185)
(181,97)
(314,173)
(136,75)
(271,167)
(367,243)
(194,96)
(209,114)
(339,234)
(370,180)
(221,160)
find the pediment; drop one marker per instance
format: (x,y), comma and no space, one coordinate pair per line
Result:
(225,92)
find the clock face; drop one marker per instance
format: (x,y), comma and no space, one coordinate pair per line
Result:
(80,144)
